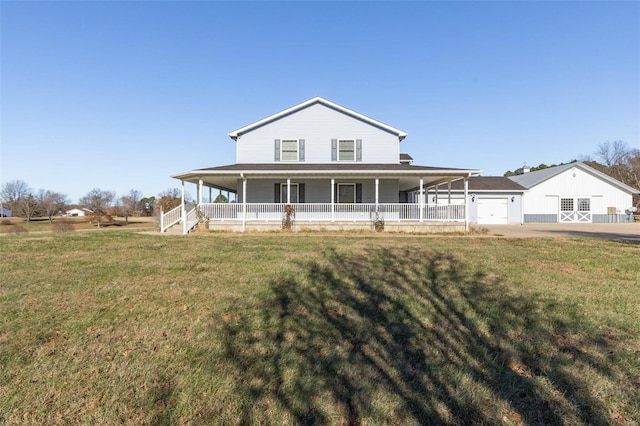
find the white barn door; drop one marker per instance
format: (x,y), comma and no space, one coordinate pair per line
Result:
(575,209)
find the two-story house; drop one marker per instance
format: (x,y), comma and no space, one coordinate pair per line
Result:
(320,165)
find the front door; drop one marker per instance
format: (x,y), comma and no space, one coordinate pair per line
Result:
(575,209)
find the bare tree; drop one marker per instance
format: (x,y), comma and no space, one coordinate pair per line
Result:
(28,206)
(98,201)
(51,203)
(621,162)
(130,203)
(12,192)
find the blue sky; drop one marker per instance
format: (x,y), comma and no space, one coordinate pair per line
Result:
(120,95)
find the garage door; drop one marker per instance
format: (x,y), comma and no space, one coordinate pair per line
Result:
(493,211)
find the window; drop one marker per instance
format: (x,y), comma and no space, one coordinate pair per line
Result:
(297,193)
(346,193)
(346,150)
(294,192)
(566,204)
(289,150)
(584,204)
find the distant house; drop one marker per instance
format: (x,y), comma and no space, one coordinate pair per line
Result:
(322,166)
(5,212)
(75,212)
(574,192)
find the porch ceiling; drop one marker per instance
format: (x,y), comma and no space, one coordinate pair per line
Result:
(226,177)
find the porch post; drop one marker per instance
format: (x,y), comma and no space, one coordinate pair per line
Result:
(466,204)
(210,195)
(288,190)
(437,193)
(244,203)
(421,199)
(184,210)
(377,188)
(333,197)
(449,192)
(200,190)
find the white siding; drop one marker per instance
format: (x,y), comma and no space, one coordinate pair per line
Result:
(575,182)
(317,125)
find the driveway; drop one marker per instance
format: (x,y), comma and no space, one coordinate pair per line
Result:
(615,231)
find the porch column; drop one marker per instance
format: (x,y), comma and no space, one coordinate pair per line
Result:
(466,204)
(210,195)
(184,210)
(199,191)
(449,192)
(421,199)
(288,190)
(244,203)
(333,197)
(377,188)
(437,193)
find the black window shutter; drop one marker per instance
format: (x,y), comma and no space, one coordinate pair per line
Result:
(358,192)
(334,149)
(276,150)
(358,149)
(301,149)
(276,193)
(335,193)
(301,192)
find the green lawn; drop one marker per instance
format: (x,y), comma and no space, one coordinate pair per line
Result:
(122,328)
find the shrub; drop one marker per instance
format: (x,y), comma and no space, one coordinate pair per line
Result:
(5,222)
(63,226)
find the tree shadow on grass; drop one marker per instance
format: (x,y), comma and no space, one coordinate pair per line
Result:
(390,336)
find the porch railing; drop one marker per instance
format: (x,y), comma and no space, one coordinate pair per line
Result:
(314,212)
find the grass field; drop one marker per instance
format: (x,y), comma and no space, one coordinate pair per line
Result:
(123,328)
(18,225)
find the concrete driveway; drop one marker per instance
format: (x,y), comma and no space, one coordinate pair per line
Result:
(616,231)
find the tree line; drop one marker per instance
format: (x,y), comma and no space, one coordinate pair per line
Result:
(24,202)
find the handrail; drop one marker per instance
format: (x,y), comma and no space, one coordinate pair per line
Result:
(191,220)
(170,218)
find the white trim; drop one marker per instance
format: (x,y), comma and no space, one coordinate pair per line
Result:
(237,133)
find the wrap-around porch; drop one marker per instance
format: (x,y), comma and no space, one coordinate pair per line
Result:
(300,199)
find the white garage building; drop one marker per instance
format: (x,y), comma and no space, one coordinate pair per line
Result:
(571,192)
(574,192)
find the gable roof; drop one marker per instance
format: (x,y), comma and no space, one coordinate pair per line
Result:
(531,179)
(317,100)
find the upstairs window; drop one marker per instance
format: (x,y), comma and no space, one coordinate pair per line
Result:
(346,149)
(289,150)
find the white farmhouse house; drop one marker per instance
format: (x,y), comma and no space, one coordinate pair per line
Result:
(320,165)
